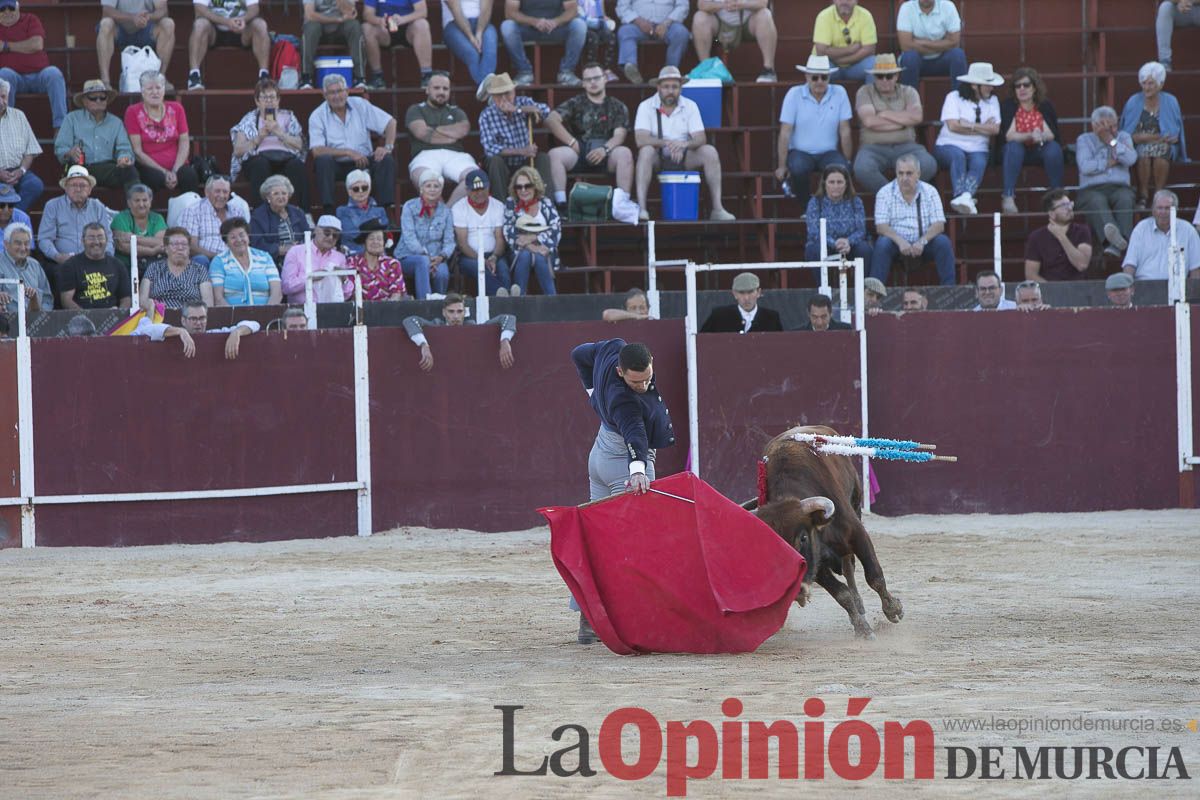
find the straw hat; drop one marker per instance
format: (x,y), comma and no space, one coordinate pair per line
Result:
(500,84)
(885,64)
(93,87)
(77,171)
(527,224)
(817,64)
(668,74)
(981,72)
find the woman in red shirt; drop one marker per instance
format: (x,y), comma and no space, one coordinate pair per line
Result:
(158,131)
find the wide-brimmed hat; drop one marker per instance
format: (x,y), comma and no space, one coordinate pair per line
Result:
(92,87)
(885,64)
(8,194)
(981,72)
(527,224)
(817,64)
(77,171)
(369,227)
(669,73)
(500,84)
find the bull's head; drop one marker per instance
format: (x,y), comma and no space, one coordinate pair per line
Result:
(799,522)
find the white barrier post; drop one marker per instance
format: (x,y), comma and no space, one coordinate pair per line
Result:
(997,264)
(134,286)
(691,327)
(362,413)
(843,290)
(1177,295)
(310,302)
(24,417)
(483,310)
(652,274)
(860,325)
(825,290)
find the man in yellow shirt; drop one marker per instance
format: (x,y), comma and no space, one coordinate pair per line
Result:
(846,33)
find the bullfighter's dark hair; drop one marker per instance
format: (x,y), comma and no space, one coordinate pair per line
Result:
(819,301)
(635,356)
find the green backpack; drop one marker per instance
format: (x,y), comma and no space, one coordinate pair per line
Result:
(589,202)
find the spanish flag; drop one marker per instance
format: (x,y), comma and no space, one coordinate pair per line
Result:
(127,326)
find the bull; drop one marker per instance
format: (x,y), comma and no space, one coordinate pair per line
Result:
(814,503)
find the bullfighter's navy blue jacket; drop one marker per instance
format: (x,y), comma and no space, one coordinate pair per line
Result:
(641,419)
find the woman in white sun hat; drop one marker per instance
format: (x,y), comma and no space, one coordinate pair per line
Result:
(970,118)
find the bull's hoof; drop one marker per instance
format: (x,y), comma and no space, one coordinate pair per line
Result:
(893,609)
(862,629)
(866,634)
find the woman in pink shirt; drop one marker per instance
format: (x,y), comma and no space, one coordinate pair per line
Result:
(158,131)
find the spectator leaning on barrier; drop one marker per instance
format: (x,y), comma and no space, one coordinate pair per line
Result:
(137,218)
(325,257)
(136,23)
(635,306)
(909,221)
(358,209)
(845,32)
(204,219)
(1154,120)
(158,133)
(813,123)
(889,115)
(18,148)
(844,215)
(592,128)
(277,226)
(193,319)
(94,137)
(176,278)
(929,32)
(228,23)
(970,118)
(990,293)
(1062,250)
(504,131)
(670,135)
(1119,289)
(479,225)
(650,21)
(436,130)
(16,263)
(1029,124)
(469,34)
(820,316)
(396,23)
(1148,256)
(426,238)
(24,62)
(340,131)
(914,300)
(744,315)
(1028,297)
(730,22)
(268,140)
(454,314)
(543,21)
(10,210)
(293,320)
(1104,156)
(1172,13)
(93,278)
(242,275)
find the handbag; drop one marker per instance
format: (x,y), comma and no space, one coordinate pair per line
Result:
(589,202)
(134,62)
(205,166)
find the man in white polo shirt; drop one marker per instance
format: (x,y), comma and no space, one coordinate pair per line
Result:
(670,135)
(1147,258)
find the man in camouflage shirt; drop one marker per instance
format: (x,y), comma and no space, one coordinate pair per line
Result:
(592,128)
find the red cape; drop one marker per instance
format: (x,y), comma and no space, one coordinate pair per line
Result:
(657,574)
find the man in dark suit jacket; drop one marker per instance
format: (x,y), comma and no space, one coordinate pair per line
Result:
(746,315)
(820,316)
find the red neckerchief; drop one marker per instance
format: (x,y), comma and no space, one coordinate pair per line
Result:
(364,206)
(482,207)
(528,208)
(427,210)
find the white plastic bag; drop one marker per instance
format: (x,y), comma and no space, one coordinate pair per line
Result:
(624,209)
(135,61)
(177,205)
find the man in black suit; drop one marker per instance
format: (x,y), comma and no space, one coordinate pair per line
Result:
(820,316)
(746,315)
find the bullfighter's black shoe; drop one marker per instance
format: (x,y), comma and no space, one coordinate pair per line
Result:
(586,634)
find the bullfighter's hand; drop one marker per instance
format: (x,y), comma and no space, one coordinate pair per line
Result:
(506,354)
(426,362)
(638,483)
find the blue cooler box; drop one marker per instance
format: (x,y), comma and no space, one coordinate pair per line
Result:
(680,195)
(337,65)
(706,93)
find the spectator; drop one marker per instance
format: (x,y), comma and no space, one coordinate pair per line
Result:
(426,238)
(359,208)
(874,293)
(1030,126)
(268,141)
(17,264)
(505,131)
(242,275)
(18,148)
(1149,255)
(1062,250)
(1153,118)
(1104,156)
(320,255)
(970,118)
(990,293)
(670,134)
(1029,296)
(194,318)
(592,127)
(600,37)
(532,230)
(396,23)
(331,21)
(340,132)
(277,226)
(93,278)
(10,210)
(80,325)
(229,23)
(914,300)
(60,233)
(889,115)
(294,320)
(96,138)
(929,32)
(479,225)
(158,133)
(1183,13)
(543,21)
(176,279)
(844,215)
(845,33)
(1119,289)
(382,276)
(137,23)
(745,315)
(635,306)
(732,21)
(820,316)
(469,34)
(204,218)
(137,219)
(454,313)
(436,130)
(648,21)
(908,231)
(813,123)
(24,63)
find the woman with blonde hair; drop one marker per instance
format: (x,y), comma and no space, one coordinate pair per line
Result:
(532,230)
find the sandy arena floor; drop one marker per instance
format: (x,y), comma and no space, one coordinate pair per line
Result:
(369,668)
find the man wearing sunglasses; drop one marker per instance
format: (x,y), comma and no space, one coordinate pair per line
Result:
(813,124)
(845,32)
(24,62)
(889,115)
(92,136)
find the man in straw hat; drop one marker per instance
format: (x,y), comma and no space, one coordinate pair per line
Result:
(60,233)
(929,32)
(813,123)
(92,136)
(845,32)
(506,131)
(670,135)
(889,115)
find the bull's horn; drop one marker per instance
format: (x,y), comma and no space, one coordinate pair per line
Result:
(810,504)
